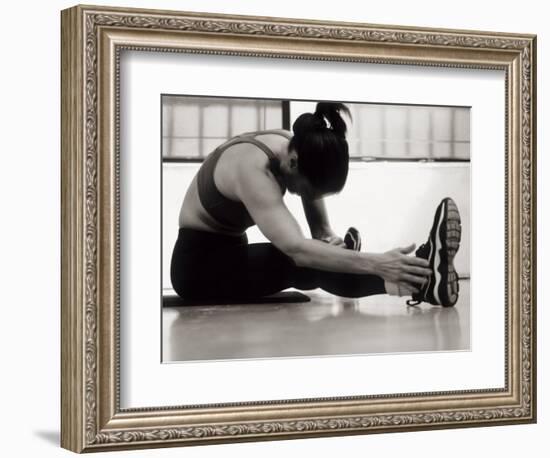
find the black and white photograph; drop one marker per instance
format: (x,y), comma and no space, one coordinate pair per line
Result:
(277,227)
(304,228)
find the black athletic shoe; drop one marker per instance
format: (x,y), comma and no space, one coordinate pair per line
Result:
(440,249)
(352,239)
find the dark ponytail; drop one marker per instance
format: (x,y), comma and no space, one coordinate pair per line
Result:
(322,148)
(331,111)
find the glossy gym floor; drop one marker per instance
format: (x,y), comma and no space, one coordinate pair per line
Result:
(327,325)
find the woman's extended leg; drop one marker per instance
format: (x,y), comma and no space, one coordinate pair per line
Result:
(267,270)
(205,265)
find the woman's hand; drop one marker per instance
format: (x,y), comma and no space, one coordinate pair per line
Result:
(334,240)
(328,236)
(407,272)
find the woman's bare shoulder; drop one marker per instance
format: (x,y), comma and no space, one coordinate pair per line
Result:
(242,158)
(252,160)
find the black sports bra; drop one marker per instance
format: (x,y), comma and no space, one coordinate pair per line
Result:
(231,214)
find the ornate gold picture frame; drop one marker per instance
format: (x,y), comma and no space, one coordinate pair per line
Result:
(93,39)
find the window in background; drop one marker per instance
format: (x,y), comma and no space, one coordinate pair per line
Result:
(409,132)
(192,127)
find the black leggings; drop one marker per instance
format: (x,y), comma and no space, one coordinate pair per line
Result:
(206,265)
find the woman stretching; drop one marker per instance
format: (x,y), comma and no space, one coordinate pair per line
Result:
(242,184)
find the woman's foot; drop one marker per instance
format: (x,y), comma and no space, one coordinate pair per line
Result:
(352,239)
(443,242)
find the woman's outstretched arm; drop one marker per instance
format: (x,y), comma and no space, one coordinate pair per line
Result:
(261,195)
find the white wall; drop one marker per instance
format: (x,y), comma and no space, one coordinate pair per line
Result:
(387,215)
(29,238)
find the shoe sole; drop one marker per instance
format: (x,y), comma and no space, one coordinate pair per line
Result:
(446,240)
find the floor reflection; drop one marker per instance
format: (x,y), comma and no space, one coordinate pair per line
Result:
(328,325)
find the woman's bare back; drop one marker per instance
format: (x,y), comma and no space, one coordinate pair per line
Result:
(193,215)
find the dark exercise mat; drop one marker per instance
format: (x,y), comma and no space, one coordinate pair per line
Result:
(284,297)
